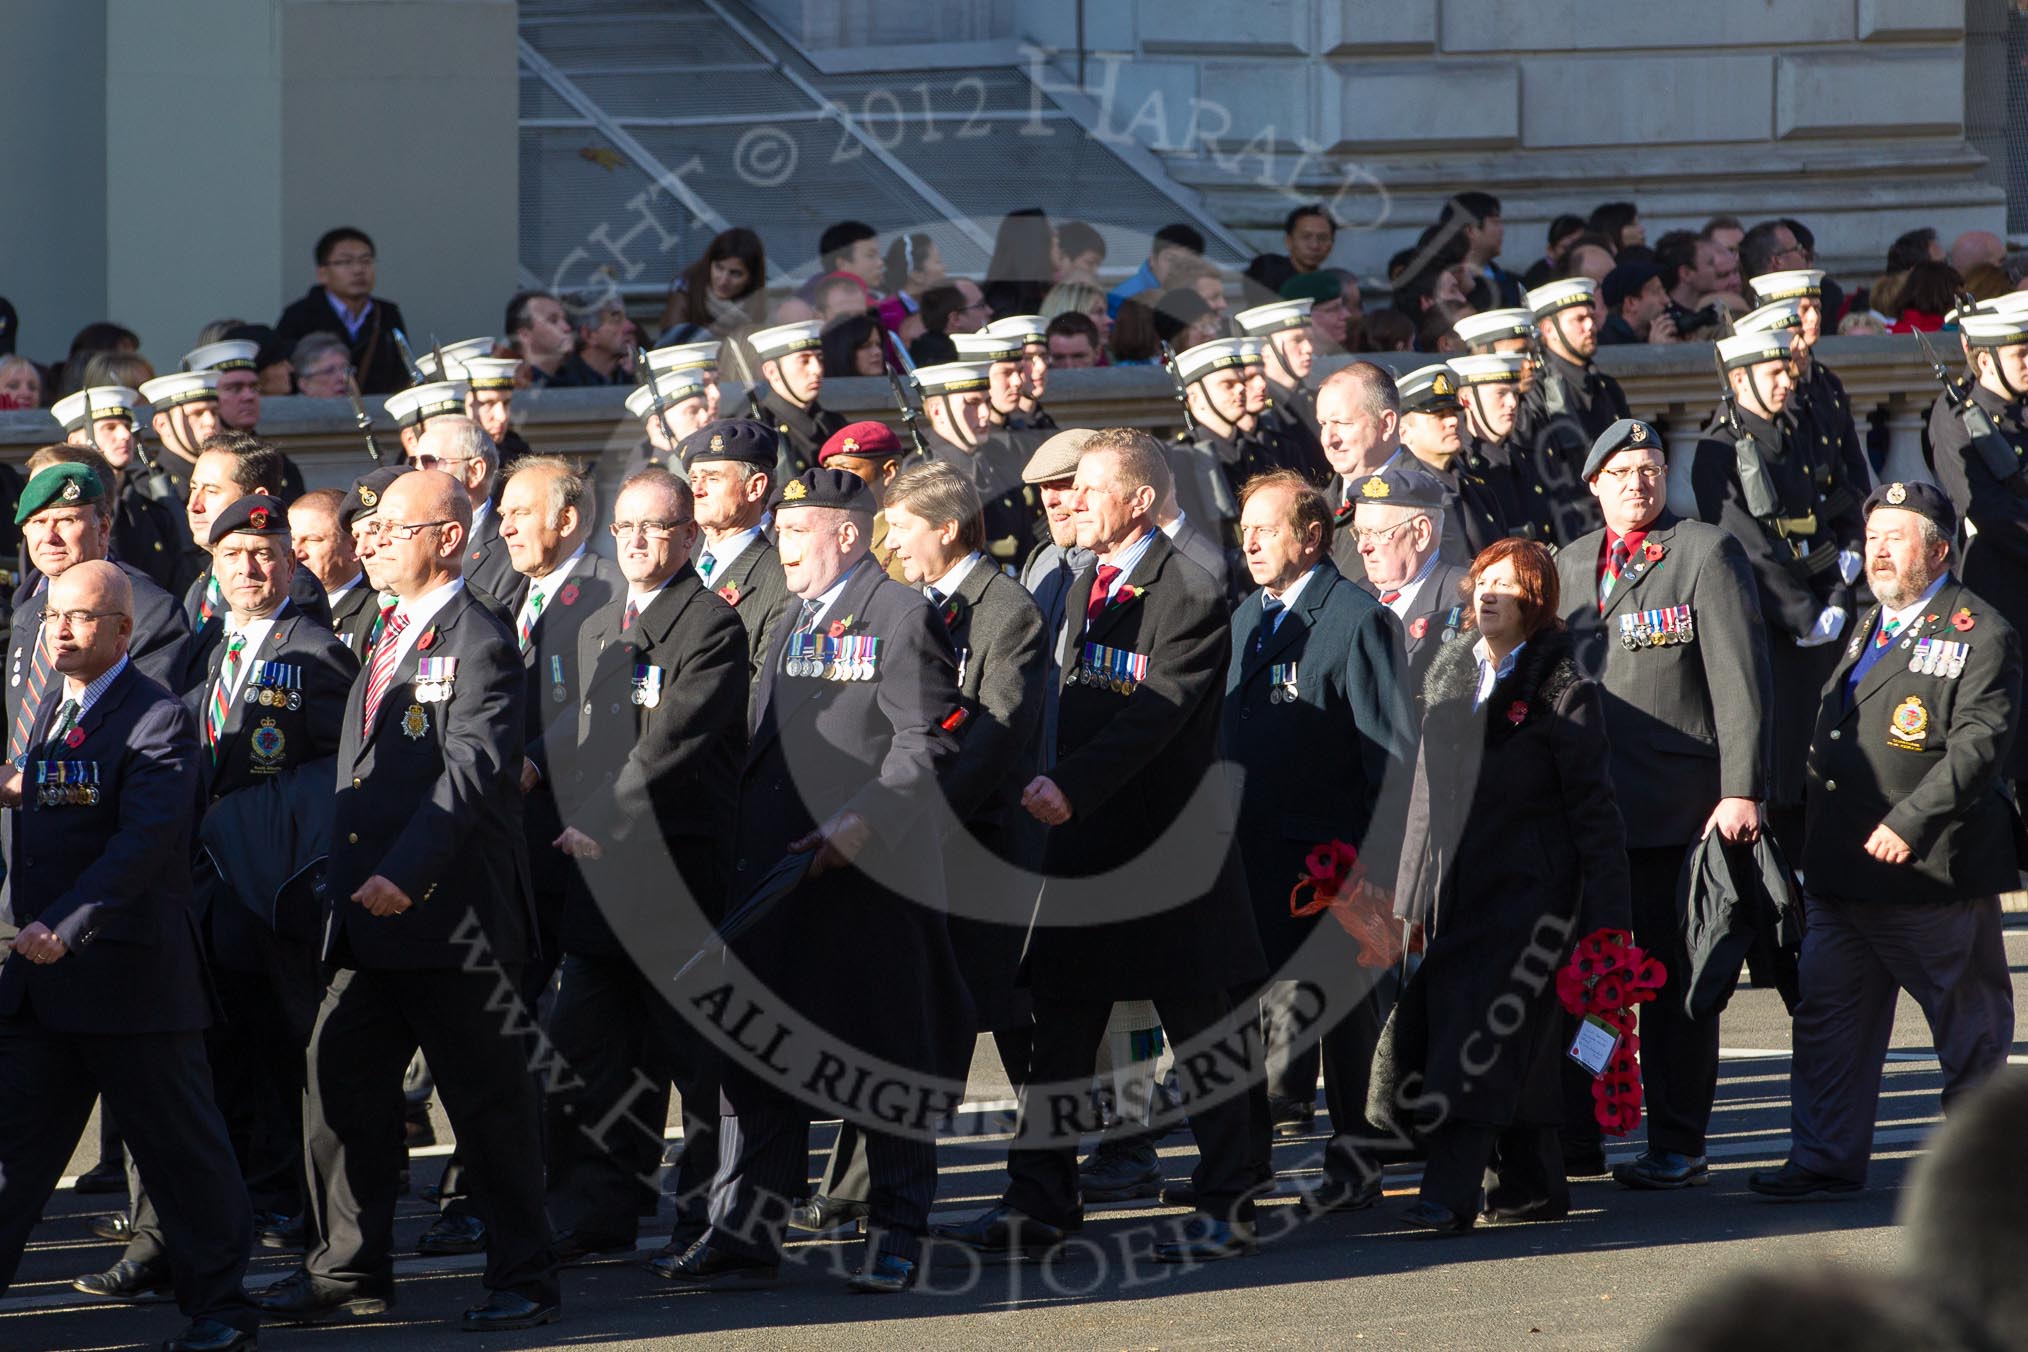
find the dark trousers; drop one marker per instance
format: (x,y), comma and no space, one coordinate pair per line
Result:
(536,981)
(1515,1165)
(160,1086)
(1231,1127)
(369,1025)
(1679,1054)
(764,1163)
(1858,956)
(1291,1069)
(1356,1150)
(848,1177)
(624,1044)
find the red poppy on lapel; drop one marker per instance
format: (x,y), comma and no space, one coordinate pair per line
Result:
(1418,626)
(730,593)
(74,738)
(1652,552)
(569,594)
(1962,621)
(1517,711)
(422,645)
(1126,593)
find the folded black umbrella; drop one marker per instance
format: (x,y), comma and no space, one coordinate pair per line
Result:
(1740,904)
(773,888)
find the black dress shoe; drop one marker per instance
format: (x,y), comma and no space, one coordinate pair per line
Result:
(453,1233)
(208,1335)
(113,1225)
(105,1176)
(1291,1117)
(1206,1239)
(686,1234)
(126,1280)
(1179,1194)
(1583,1159)
(1427,1215)
(504,1310)
(576,1246)
(1792,1183)
(1662,1171)
(1002,1229)
(1504,1211)
(1119,1169)
(821,1214)
(1331,1194)
(284,1232)
(300,1298)
(705,1266)
(886,1275)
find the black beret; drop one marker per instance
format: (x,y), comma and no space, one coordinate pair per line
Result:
(254,514)
(742,439)
(1624,433)
(1398,486)
(826,488)
(63,484)
(366,491)
(1918,497)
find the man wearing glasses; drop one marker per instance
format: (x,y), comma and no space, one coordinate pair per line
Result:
(659,726)
(1397,527)
(1687,713)
(342,303)
(459,447)
(1359,420)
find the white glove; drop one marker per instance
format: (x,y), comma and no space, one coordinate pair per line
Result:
(1830,623)
(1849,563)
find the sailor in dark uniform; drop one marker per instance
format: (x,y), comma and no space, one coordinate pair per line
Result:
(956,398)
(183,413)
(1570,403)
(1210,469)
(791,358)
(1033,332)
(148,529)
(1288,353)
(1431,418)
(670,410)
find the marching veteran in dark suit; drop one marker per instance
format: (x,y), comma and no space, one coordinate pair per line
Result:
(1911,841)
(357,518)
(104,992)
(270,707)
(1665,618)
(428,927)
(1317,717)
(1137,737)
(856,714)
(730,465)
(1397,524)
(660,729)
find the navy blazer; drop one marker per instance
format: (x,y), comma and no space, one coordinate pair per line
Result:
(112,878)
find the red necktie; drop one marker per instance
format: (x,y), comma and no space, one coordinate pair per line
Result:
(1389,598)
(627,622)
(1100,592)
(381,674)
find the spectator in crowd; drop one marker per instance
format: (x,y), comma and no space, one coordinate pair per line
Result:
(955,307)
(838,297)
(852,347)
(914,265)
(1074,341)
(1692,270)
(102,336)
(1929,292)
(724,290)
(1136,340)
(323,361)
(1861,324)
(1172,244)
(1388,331)
(1183,319)
(1637,308)
(1591,255)
(1023,266)
(342,302)
(20,382)
(1488,285)
(1726,231)
(1987,281)
(1083,251)
(1975,247)
(1563,231)
(130,369)
(1771,246)
(605,337)
(846,249)
(1082,298)
(540,331)
(1432,271)
(1335,307)
(1207,281)
(1619,222)
(1436,334)
(1309,233)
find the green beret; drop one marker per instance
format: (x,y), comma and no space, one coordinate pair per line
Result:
(1313,286)
(64,484)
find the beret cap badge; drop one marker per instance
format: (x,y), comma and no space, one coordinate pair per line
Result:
(794,490)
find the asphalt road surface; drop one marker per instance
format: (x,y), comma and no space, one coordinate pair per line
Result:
(1595,1281)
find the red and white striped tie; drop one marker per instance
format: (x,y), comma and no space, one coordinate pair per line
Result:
(382,672)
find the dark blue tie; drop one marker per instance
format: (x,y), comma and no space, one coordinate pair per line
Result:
(1871,653)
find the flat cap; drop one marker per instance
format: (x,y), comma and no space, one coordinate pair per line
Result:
(254,514)
(1428,389)
(1914,496)
(871,440)
(826,488)
(364,499)
(1399,486)
(1057,457)
(1624,434)
(742,439)
(63,484)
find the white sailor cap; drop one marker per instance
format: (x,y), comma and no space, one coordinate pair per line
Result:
(455,355)
(1428,389)
(987,346)
(1547,299)
(87,406)
(1994,330)
(2013,303)
(952,377)
(483,373)
(1490,368)
(1490,326)
(1776,316)
(1200,361)
(1751,349)
(180,387)
(1262,320)
(804,336)
(1252,351)
(234,354)
(674,389)
(1032,330)
(417,404)
(685,357)
(1793,284)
